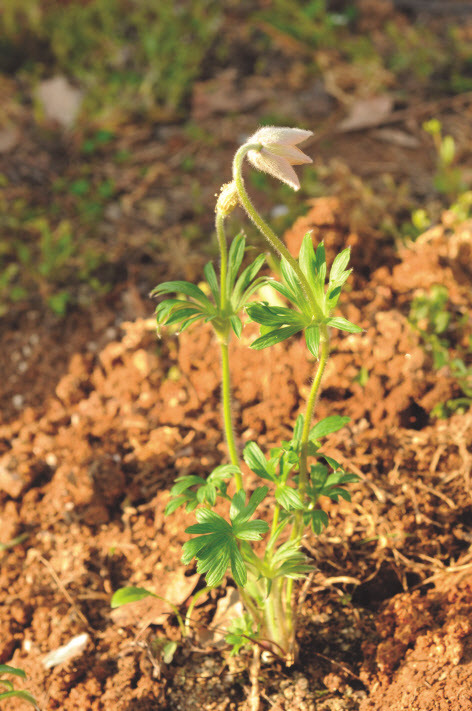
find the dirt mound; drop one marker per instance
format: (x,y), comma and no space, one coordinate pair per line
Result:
(85,473)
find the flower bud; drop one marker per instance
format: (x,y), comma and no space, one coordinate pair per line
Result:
(228,199)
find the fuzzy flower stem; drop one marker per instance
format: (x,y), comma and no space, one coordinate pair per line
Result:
(228,421)
(274,241)
(220,233)
(223,337)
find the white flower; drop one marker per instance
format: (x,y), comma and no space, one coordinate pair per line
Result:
(278,152)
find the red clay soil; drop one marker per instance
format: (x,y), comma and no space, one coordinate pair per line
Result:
(100,418)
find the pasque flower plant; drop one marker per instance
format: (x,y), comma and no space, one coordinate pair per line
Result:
(296,474)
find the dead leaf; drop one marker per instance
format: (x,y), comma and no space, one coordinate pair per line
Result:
(397,138)
(9,137)
(367,113)
(60,100)
(175,587)
(226,93)
(228,608)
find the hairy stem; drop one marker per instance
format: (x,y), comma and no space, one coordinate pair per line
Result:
(220,233)
(223,337)
(228,420)
(274,241)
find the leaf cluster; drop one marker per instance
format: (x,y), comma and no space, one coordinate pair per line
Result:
(284,461)
(216,544)
(192,490)
(241,633)
(279,323)
(10,691)
(197,306)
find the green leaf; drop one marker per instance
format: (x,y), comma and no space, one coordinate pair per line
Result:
(338,266)
(289,498)
(221,472)
(7,669)
(343,324)
(209,522)
(181,314)
(291,280)
(244,280)
(238,568)
(210,276)
(298,429)
(246,512)
(216,547)
(282,289)
(213,559)
(256,461)
(238,503)
(318,520)
(236,325)
(182,287)
(188,322)
(273,337)
(333,296)
(312,337)
(251,530)
(235,258)
(125,595)
(332,462)
(168,651)
(307,260)
(185,482)
(274,315)
(330,424)
(321,262)
(174,504)
(20,694)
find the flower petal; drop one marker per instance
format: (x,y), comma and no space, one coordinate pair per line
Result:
(291,154)
(275,165)
(279,134)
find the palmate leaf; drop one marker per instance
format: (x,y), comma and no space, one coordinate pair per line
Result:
(288,561)
(318,520)
(191,490)
(7,669)
(236,325)
(296,295)
(276,336)
(327,425)
(343,324)
(216,543)
(182,287)
(257,463)
(235,258)
(210,276)
(312,338)
(276,315)
(245,280)
(289,498)
(239,512)
(19,694)
(130,594)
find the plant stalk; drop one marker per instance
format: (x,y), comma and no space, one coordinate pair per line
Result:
(220,233)
(275,242)
(310,409)
(224,338)
(227,417)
